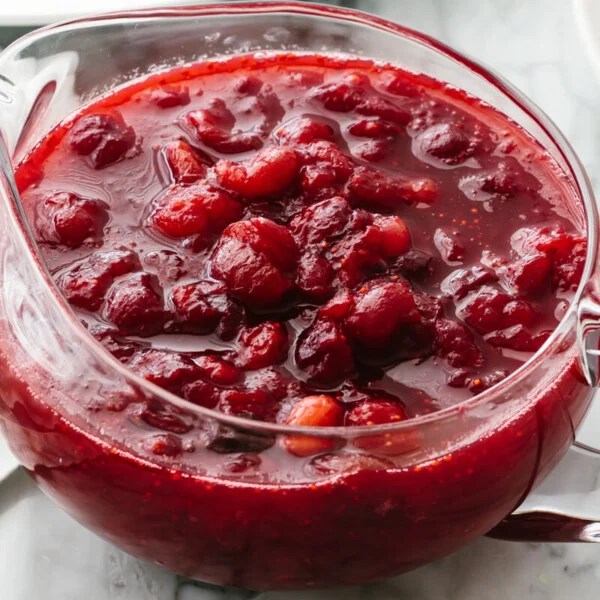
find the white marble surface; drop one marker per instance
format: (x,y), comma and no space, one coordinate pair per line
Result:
(44,555)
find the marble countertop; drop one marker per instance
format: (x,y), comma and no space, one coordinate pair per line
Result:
(44,555)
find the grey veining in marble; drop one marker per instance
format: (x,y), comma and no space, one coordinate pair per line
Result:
(44,555)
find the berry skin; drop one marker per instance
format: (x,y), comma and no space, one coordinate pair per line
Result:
(185,163)
(256,259)
(264,345)
(170,96)
(324,353)
(105,138)
(372,188)
(199,209)
(375,412)
(268,173)
(456,343)
(135,305)
(67,219)
(86,284)
(202,307)
(312,411)
(304,130)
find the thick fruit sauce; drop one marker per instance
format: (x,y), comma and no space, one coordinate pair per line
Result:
(311,241)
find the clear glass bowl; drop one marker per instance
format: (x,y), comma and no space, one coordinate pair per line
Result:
(237,508)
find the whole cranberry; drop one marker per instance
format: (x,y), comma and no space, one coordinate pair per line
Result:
(203,306)
(304,130)
(264,345)
(269,172)
(135,305)
(375,412)
(198,209)
(322,221)
(104,137)
(324,353)
(185,163)
(256,259)
(68,219)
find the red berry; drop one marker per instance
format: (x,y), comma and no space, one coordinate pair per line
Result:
(324,353)
(169,370)
(269,172)
(375,412)
(170,96)
(489,310)
(321,221)
(380,308)
(518,338)
(264,345)
(445,142)
(455,342)
(256,259)
(251,404)
(218,370)
(200,307)
(202,393)
(394,236)
(135,305)
(530,274)
(372,128)
(71,220)
(325,168)
(214,128)
(164,445)
(199,209)
(314,276)
(86,284)
(105,138)
(164,416)
(375,188)
(312,411)
(304,130)
(185,163)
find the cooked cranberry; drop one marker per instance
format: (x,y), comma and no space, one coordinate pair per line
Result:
(169,370)
(362,255)
(312,411)
(105,138)
(267,173)
(185,163)
(202,393)
(218,370)
(314,276)
(165,445)
(338,96)
(489,310)
(270,380)
(375,412)
(199,209)
(445,142)
(170,96)
(460,283)
(304,130)
(380,107)
(117,346)
(200,307)
(321,221)
(338,307)
(518,338)
(379,310)
(394,236)
(164,416)
(135,305)
(252,404)
(169,265)
(214,128)
(450,249)
(324,353)
(455,342)
(530,274)
(71,220)
(256,260)
(370,187)
(372,150)
(264,345)
(325,167)
(86,284)
(372,128)
(415,264)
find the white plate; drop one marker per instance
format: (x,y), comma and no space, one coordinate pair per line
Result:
(43,12)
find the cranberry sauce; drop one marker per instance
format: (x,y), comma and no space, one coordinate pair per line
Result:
(261,231)
(311,241)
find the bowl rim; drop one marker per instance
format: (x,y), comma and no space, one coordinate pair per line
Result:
(575,169)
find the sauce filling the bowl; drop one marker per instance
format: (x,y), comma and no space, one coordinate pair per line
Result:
(306,239)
